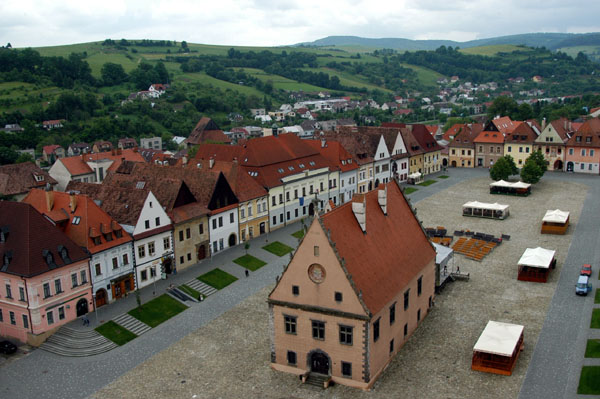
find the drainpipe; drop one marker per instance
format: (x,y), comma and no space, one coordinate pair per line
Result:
(28,308)
(284,200)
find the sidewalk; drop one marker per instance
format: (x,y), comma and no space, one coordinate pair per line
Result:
(222,260)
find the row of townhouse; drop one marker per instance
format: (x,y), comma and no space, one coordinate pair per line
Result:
(565,145)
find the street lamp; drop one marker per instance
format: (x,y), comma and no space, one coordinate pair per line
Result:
(95,308)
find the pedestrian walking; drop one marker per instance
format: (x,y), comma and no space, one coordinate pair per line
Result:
(247,273)
(86,320)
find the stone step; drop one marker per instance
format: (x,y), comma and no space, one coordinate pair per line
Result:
(77,352)
(71,332)
(132,324)
(316,380)
(201,287)
(75,343)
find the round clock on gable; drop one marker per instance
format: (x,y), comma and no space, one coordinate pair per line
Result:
(316,273)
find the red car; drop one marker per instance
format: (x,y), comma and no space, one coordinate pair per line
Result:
(586,270)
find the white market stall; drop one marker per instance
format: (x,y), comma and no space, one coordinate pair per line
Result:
(509,188)
(555,222)
(498,347)
(535,264)
(485,210)
(415,178)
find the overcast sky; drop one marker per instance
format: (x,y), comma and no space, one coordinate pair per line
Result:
(33,23)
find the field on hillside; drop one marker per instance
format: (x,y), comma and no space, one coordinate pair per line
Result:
(490,50)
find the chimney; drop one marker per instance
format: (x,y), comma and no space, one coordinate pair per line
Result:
(382,199)
(359,209)
(565,124)
(112,151)
(73,202)
(49,200)
(119,151)
(323,143)
(543,123)
(570,126)
(211,163)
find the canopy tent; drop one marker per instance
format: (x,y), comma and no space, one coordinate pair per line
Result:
(556,216)
(537,257)
(502,183)
(442,264)
(415,178)
(415,175)
(498,348)
(505,187)
(499,338)
(482,205)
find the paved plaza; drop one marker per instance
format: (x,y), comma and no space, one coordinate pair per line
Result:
(220,347)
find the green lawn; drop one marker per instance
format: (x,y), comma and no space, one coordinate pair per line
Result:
(595,319)
(427,183)
(299,234)
(217,278)
(589,382)
(250,262)
(190,291)
(115,333)
(410,190)
(593,348)
(491,50)
(597,297)
(278,248)
(443,177)
(158,310)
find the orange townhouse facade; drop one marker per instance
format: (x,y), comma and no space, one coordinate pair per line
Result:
(489,146)
(359,284)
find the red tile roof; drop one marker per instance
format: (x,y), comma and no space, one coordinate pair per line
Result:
(28,236)
(392,253)
(50,149)
(588,135)
(521,133)
(93,221)
(77,165)
(466,136)
(206,130)
(21,177)
(425,139)
(489,137)
(503,124)
(337,155)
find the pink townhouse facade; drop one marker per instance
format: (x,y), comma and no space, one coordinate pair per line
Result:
(44,277)
(583,149)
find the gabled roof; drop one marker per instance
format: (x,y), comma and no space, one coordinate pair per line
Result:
(361,142)
(21,177)
(465,137)
(413,147)
(50,149)
(504,124)
(122,204)
(392,253)
(588,135)
(425,139)
(244,186)
(206,130)
(80,218)
(78,165)
(219,152)
(562,127)
(269,150)
(523,132)
(29,237)
(75,165)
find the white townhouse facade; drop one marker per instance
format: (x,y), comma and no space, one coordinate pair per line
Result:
(112,271)
(381,163)
(224,228)
(153,243)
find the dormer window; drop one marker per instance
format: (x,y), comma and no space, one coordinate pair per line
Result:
(588,139)
(49,258)
(76,220)
(97,240)
(301,166)
(578,139)
(280,170)
(38,178)
(64,254)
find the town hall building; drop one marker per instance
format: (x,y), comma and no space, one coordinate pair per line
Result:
(358,286)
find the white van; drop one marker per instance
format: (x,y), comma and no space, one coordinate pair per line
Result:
(583,285)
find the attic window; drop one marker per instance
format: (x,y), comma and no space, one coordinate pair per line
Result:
(38,177)
(49,258)
(301,166)
(343,162)
(588,139)
(4,233)
(290,167)
(578,139)
(140,185)
(280,170)
(350,160)
(312,163)
(76,220)
(246,160)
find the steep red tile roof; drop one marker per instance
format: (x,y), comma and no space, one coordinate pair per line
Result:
(503,124)
(93,221)
(21,177)
(244,186)
(562,127)
(392,253)
(77,165)
(453,131)
(425,139)
(521,133)
(122,204)
(219,152)
(465,138)
(361,142)
(413,147)
(28,236)
(206,130)
(588,135)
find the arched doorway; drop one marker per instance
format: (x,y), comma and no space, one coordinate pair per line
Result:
(101,297)
(82,307)
(376,183)
(262,228)
(394,167)
(370,185)
(311,209)
(201,252)
(319,363)
(570,166)
(232,240)
(445,162)
(453,164)
(167,265)
(558,165)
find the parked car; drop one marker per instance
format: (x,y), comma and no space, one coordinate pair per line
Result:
(583,285)
(586,270)
(7,347)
